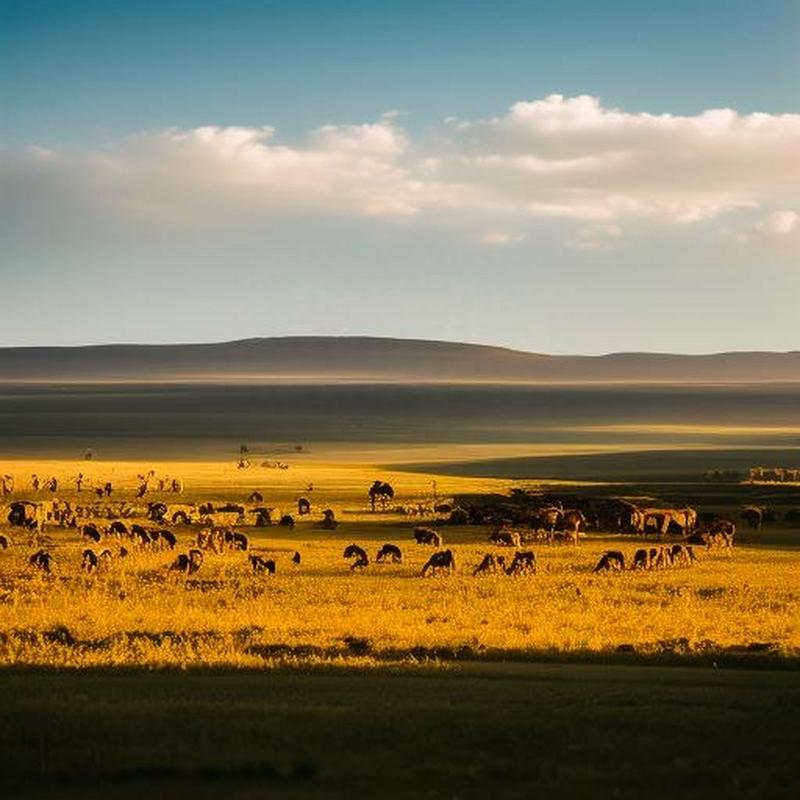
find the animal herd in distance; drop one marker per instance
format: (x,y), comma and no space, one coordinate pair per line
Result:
(551,524)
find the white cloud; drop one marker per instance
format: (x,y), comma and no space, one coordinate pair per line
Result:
(559,158)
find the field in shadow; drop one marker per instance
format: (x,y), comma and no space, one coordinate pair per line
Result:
(509,729)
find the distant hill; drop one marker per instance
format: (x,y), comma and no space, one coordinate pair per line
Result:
(324,359)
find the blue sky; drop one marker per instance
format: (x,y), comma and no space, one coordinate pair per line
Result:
(155,207)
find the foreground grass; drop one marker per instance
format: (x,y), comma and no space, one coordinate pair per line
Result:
(514,730)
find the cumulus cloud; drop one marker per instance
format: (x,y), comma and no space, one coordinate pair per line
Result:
(557,158)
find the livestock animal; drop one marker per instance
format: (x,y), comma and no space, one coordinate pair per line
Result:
(329,522)
(3,542)
(441,561)
(491,564)
(523,563)
(255,497)
(287,521)
(505,538)
(188,563)
(303,506)
(118,528)
(572,522)
(41,560)
(389,552)
(380,490)
(296,558)
(753,516)
(89,562)
(428,536)
(260,564)
(611,561)
(359,554)
(641,559)
(91,533)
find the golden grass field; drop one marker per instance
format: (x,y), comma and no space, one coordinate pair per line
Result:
(137,613)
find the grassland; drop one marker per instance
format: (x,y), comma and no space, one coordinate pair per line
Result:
(137,613)
(319,682)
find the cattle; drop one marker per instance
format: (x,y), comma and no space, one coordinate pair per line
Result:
(156,511)
(610,561)
(523,563)
(261,565)
(441,561)
(641,559)
(303,506)
(428,536)
(287,521)
(389,552)
(505,538)
(118,528)
(359,554)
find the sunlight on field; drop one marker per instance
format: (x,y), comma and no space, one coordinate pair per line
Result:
(134,611)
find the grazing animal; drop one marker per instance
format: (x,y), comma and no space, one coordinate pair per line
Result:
(188,562)
(41,560)
(287,520)
(389,552)
(89,562)
(681,555)
(611,561)
(260,564)
(91,533)
(118,528)
(441,561)
(571,523)
(428,536)
(329,522)
(523,563)
(296,558)
(3,543)
(239,541)
(255,497)
(753,516)
(380,491)
(490,565)
(263,517)
(359,554)
(303,506)
(168,538)
(123,552)
(505,538)
(641,559)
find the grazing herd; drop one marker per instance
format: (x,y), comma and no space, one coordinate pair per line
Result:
(516,520)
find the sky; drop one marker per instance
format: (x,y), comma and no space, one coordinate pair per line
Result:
(559,177)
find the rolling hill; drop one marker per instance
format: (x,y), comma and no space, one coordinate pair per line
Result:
(326,359)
